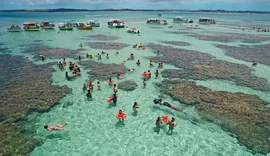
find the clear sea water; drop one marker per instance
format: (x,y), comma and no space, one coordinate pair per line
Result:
(93,128)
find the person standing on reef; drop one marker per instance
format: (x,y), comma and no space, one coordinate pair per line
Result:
(56,127)
(81,45)
(158,123)
(89,94)
(144,82)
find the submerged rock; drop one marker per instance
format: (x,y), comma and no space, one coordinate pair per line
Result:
(127,85)
(230,37)
(25,87)
(259,53)
(177,43)
(242,114)
(100,71)
(53,53)
(100,37)
(107,45)
(38,40)
(202,66)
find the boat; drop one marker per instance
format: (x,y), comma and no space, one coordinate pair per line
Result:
(206,20)
(82,26)
(31,26)
(116,23)
(65,26)
(14,28)
(159,15)
(93,23)
(179,19)
(47,25)
(163,22)
(153,21)
(133,31)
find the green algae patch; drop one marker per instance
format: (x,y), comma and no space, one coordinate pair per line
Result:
(25,88)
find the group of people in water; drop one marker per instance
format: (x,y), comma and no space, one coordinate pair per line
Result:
(89,87)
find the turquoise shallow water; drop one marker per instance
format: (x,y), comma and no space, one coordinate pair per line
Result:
(93,128)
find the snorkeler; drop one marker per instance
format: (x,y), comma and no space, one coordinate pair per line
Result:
(159,101)
(80,58)
(138,62)
(81,45)
(254,63)
(56,127)
(107,56)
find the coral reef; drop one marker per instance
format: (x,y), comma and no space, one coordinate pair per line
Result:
(100,71)
(53,53)
(128,85)
(242,114)
(260,53)
(177,43)
(21,92)
(229,37)
(201,66)
(100,37)
(107,45)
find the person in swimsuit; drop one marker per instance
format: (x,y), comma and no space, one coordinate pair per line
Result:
(171,126)
(158,123)
(135,107)
(56,127)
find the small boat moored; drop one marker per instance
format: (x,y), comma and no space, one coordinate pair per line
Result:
(14,28)
(31,26)
(65,26)
(163,22)
(47,25)
(153,21)
(206,20)
(116,23)
(93,23)
(179,19)
(82,26)
(133,31)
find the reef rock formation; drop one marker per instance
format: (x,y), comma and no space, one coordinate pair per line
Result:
(259,53)
(242,114)
(229,37)
(107,45)
(100,71)
(202,66)
(100,37)
(25,87)
(127,85)
(53,53)
(177,43)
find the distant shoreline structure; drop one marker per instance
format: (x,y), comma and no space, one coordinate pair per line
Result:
(147,10)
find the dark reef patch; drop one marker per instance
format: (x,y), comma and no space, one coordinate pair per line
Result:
(242,114)
(176,43)
(53,53)
(202,66)
(128,85)
(259,53)
(107,45)
(100,71)
(229,37)
(38,41)
(24,87)
(100,37)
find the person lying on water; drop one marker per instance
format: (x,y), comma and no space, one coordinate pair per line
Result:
(56,127)
(159,101)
